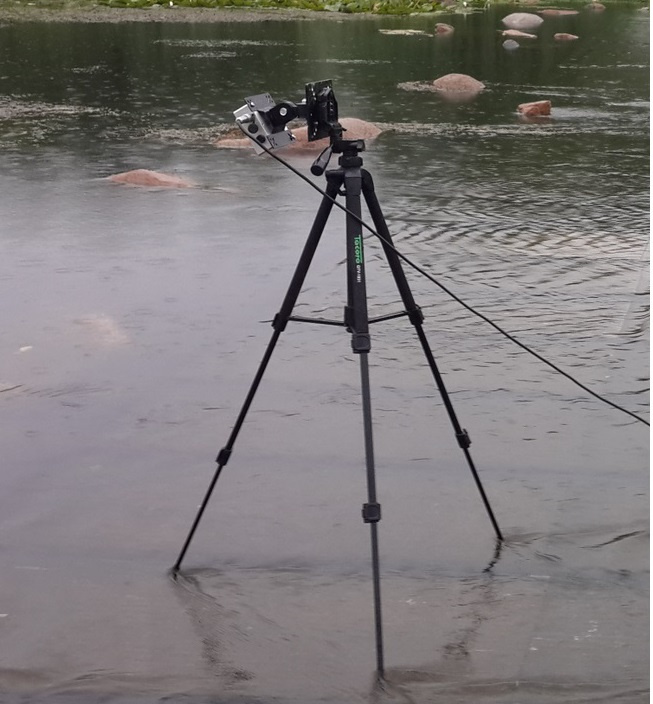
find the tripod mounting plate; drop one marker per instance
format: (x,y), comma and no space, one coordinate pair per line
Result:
(346,146)
(256,118)
(265,121)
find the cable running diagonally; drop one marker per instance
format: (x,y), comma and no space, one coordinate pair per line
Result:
(450,293)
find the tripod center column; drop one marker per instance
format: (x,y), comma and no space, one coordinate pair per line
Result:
(356,319)
(356,316)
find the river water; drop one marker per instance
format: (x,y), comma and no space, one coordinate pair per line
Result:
(134,320)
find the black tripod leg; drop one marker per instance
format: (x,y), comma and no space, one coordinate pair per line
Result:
(279,324)
(461,435)
(372,511)
(356,317)
(416,317)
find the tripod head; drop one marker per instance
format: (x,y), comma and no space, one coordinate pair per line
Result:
(350,150)
(266,122)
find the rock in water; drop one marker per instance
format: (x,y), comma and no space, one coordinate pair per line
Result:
(443,29)
(564,37)
(522,20)
(540,108)
(457,86)
(554,12)
(517,34)
(144,177)
(355,129)
(405,32)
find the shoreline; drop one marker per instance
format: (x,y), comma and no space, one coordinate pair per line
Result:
(188,15)
(91,13)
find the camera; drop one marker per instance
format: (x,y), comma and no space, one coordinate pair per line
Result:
(266,121)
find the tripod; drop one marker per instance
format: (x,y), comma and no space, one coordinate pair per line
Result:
(354,181)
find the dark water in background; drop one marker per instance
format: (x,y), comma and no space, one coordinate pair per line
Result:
(131,333)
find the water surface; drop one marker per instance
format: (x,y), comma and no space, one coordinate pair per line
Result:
(134,320)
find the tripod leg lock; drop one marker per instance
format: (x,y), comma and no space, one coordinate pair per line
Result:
(279,323)
(223,456)
(416,316)
(371,513)
(360,342)
(463,439)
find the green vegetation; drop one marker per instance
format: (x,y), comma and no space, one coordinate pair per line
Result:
(379,7)
(388,7)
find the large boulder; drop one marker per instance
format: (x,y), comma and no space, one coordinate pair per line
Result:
(144,177)
(457,87)
(354,129)
(524,21)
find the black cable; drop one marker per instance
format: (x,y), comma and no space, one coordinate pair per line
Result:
(444,288)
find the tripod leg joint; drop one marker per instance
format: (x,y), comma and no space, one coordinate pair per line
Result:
(223,456)
(279,322)
(463,439)
(371,513)
(416,316)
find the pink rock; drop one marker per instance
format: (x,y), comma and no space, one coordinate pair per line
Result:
(143,177)
(595,6)
(457,86)
(517,34)
(355,129)
(522,20)
(539,108)
(442,29)
(553,12)
(457,83)
(233,141)
(564,37)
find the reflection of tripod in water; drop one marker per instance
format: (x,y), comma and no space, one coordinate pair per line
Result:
(353,180)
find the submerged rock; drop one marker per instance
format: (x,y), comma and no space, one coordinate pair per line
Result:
(104,330)
(517,34)
(442,29)
(354,129)
(405,32)
(510,45)
(144,177)
(539,108)
(595,6)
(522,20)
(457,86)
(554,12)
(565,37)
